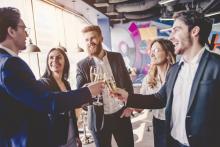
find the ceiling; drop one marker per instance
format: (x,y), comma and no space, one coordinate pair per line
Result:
(123,11)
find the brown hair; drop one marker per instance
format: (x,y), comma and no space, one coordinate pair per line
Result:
(9,17)
(92,28)
(168,47)
(193,18)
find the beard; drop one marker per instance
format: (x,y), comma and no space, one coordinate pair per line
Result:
(96,50)
(184,46)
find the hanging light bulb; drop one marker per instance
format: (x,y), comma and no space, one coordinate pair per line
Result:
(30,47)
(62,47)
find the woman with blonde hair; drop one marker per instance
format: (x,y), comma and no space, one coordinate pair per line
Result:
(162,57)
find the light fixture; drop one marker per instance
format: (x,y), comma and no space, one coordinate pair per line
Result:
(162,2)
(31,48)
(116,1)
(166,19)
(118,19)
(62,47)
(212,14)
(101,3)
(166,29)
(79,49)
(111,10)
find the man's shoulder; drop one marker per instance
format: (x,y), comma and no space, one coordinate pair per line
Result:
(83,61)
(9,59)
(114,54)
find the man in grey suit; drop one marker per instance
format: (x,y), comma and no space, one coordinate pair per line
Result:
(191,92)
(114,117)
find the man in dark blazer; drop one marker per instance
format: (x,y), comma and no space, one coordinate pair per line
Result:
(191,92)
(22,97)
(116,119)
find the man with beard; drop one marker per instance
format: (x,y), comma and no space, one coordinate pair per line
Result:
(191,92)
(115,117)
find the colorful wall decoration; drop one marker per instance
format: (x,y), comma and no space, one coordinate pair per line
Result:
(132,41)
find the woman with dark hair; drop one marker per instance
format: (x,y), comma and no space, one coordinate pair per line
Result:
(63,130)
(162,57)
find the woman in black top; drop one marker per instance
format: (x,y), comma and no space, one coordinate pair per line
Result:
(63,129)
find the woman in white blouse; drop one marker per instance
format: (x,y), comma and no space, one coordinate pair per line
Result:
(162,57)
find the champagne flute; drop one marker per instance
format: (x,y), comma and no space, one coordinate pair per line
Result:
(96,75)
(110,82)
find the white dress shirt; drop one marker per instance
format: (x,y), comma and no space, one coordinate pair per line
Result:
(8,50)
(111,105)
(181,95)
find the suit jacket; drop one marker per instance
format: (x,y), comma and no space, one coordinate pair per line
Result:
(121,77)
(59,123)
(23,98)
(202,119)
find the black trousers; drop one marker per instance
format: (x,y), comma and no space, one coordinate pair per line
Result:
(175,143)
(120,128)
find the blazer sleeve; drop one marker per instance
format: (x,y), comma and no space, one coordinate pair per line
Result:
(153,101)
(80,77)
(20,84)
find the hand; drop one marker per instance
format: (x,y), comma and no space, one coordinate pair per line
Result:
(119,93)
(96,88)
(138,110)
(78,142)
(127,112)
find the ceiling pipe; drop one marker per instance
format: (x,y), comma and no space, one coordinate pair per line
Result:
(116,1)
(136,6)
(143,14)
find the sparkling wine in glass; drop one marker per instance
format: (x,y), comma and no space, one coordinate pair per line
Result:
(96,75)
(110,82)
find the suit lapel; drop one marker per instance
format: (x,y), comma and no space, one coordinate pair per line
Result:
(198,76)
(90,62)
(173,80)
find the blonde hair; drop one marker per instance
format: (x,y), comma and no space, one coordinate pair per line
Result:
(168,47)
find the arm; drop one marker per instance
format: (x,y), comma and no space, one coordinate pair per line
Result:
(145,101)
(20,83)
(153,101)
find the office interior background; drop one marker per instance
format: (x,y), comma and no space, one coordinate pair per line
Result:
(128,27)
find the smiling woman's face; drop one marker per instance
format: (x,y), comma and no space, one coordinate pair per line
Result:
(158,55)
(56,61)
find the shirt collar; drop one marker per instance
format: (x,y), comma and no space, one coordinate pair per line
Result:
(8,50)
(97,60)
(195,59)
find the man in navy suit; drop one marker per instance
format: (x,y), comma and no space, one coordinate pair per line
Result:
(22,98)
(191,92)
